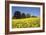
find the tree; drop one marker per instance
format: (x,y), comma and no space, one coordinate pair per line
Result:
(23,15)
(28,15)
(13,17)
(34,16)
(17,14)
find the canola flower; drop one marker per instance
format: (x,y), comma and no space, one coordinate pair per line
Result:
(25,23)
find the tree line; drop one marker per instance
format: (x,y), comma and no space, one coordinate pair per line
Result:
(19,15)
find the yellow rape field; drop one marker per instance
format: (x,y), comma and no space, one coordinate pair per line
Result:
(26,22)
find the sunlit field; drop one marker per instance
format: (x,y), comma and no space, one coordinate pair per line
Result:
(26,22)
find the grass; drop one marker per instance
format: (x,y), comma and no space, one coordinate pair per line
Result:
(26,23)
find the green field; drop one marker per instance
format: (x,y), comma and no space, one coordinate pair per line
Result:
(26,23)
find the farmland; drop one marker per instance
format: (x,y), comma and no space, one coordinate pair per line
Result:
(26,22)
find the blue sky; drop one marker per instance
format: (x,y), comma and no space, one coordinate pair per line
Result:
(30,10)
